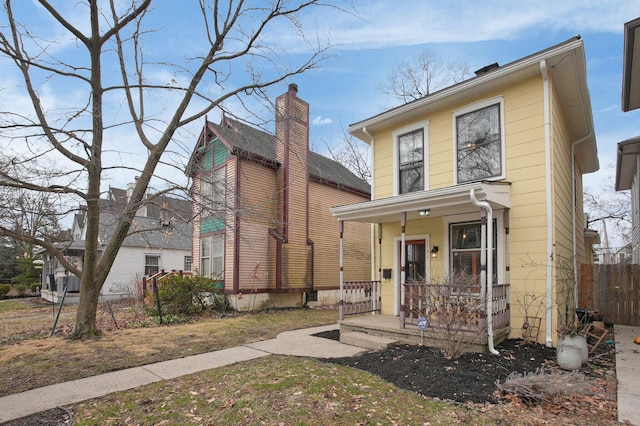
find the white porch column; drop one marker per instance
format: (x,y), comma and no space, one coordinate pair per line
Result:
(341,303)
(375,294)
(483,256)
(403,273)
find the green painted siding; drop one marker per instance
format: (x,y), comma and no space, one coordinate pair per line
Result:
(207,159)
(220,153)
(215,155)
(211,225)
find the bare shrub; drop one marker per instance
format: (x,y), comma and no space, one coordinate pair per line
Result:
(454,307)
(544,386)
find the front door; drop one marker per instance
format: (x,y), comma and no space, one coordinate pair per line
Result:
(415,260)
(415,266)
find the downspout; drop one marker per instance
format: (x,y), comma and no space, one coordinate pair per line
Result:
(489,277)
(549,199)
(574,219)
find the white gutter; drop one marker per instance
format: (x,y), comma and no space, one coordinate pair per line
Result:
(549,199)
(489,279)
(574,234)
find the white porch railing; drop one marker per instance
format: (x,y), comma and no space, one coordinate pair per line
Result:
(454,307)
(359,297)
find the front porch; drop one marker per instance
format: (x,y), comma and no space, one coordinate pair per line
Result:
(451,315)
(388,326)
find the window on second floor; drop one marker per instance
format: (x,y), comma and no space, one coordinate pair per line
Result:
(479,143)
(213,194)
(411,161)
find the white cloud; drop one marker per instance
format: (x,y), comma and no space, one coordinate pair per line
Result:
(321,121)
(381,23)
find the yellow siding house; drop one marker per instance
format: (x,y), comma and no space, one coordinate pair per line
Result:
(483,179)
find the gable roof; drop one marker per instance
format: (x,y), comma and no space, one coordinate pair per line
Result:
(566,64)
(148,232)
(257,145)
(178,208)
(631,66)
(626,163)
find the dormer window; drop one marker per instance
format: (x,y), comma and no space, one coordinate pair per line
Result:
(479,145)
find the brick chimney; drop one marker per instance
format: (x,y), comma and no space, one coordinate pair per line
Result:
(292,152)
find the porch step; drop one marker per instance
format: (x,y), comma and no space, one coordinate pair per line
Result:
(366,341)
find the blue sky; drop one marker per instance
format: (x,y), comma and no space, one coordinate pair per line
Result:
(373,37)
(480,33)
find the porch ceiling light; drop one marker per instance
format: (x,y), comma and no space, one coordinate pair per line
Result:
(424,213)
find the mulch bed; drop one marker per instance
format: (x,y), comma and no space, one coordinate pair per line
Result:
(544,393)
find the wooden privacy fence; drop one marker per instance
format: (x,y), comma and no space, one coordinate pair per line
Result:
(612,290)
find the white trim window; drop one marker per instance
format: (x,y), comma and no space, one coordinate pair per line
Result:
(479,141)
(212,256)
(410,158)
(213,193)
(466,250)
(151,264)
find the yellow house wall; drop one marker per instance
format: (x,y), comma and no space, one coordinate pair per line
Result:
(525,170)
(432,228)
(566,272)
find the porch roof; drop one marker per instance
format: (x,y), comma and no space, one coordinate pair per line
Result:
(439,202)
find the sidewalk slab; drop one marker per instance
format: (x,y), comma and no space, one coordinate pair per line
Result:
(45,398)
(174,368)
(303,343)
(627,373)
(295,342)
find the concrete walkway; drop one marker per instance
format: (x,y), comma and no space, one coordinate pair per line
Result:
(296,342)
(628,373)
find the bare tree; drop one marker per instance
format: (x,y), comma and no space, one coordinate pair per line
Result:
(407,81)
(99,55)
(605,205)
(27,216)
(421,76)
(353,154)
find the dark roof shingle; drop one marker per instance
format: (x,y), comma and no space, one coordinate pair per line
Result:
(249,141)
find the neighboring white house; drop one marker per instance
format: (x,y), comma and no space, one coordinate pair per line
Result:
(159,239)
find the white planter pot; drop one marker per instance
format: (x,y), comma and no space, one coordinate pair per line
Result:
(572,352)
(578,341)
(569,357)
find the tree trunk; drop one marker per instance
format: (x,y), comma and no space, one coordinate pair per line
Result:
(85,327)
